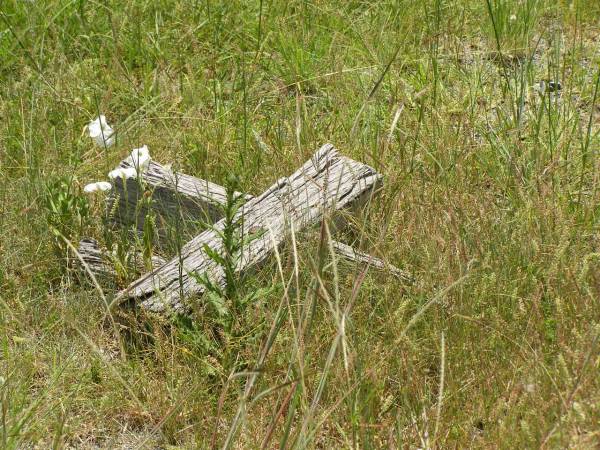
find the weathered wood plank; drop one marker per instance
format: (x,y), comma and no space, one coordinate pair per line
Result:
(95,259)
(328,181)
(175,197)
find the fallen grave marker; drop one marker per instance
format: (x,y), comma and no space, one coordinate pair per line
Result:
(328,181)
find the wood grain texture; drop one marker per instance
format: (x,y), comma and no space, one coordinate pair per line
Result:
(175,198)
(327,182)
(94,258)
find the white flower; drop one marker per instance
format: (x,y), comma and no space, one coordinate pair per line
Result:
(101,132)
(139,158)
(512,17)
(98,186)
(122,172)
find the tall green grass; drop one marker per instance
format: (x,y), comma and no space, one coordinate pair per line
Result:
(490,199)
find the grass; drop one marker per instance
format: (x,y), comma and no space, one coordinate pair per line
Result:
(490,200)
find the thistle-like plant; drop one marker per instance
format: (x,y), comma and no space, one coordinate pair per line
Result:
(228,299)
(67,210)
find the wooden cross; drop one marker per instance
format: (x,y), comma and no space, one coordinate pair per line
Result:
(325,183)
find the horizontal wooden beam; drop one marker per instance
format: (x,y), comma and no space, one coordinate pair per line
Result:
(178,201)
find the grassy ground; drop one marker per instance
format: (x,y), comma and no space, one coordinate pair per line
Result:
(491,201)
